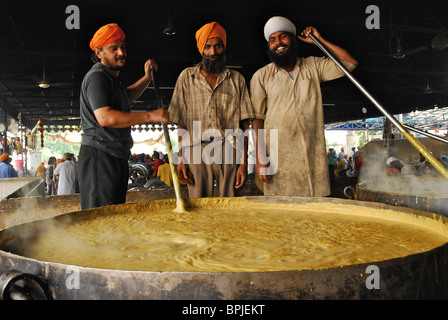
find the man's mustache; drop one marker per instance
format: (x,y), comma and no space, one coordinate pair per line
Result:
(212,57)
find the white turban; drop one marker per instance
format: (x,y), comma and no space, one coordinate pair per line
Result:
(278,24)
(392,159)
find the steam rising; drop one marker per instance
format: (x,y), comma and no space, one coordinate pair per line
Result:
(414,179)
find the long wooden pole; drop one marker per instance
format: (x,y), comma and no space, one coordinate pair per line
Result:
(180,205)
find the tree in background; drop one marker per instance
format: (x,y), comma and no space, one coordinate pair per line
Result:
(56,149)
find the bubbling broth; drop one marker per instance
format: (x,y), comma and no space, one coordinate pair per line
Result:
(245,237)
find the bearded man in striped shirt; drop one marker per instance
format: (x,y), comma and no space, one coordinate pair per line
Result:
(209,102)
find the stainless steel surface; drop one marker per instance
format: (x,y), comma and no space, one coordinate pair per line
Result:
(437,205)
(21,187)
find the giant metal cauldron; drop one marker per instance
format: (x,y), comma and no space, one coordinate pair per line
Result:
(421,202)
(417,276)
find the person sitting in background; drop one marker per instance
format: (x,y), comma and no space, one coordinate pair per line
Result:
(6,170)
(349,163)
(445,161)
(164,172)
(158,162)
(41,170)
(141,160)
(424,165)
(394,166)
(351,172)
(340,169)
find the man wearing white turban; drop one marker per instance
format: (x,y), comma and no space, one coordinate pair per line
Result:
(278,24)
(287,100)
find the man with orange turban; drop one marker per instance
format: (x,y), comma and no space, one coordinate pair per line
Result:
(6,170)
(106,120)
(105,35)
(209,100)
(210,30)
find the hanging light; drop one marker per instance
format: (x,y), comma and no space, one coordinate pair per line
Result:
(170,29)
(44,84)
(399,53)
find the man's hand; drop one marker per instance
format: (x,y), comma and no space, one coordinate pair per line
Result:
(306,35)
(150,63)
(159,115)
(136,89)
(339,52)
(182,169)
(262,165)
(241,176)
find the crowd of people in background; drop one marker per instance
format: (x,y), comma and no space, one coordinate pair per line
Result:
(344,165)
(60,175)
(157,165)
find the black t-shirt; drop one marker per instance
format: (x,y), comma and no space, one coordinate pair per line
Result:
(102,88)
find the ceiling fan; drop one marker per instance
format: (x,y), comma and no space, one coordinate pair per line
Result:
(399,53)
(429,90)
(43,84)
(438,43)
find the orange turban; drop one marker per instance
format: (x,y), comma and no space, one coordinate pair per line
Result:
(106,34)
(210,30)
(4,156)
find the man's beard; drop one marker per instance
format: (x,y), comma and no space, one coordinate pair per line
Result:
(214,66)
(288,58)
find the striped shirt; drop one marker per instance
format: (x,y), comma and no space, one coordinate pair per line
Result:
(195,105)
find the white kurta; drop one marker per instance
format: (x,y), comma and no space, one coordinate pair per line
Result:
(294,108)
(68,177)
